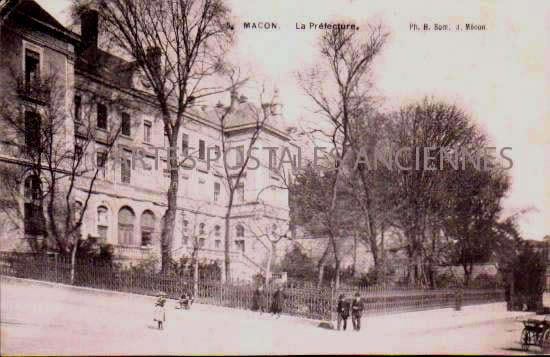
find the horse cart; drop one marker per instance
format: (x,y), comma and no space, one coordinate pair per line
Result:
(535,333)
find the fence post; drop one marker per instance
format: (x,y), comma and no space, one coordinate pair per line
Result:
(55,256)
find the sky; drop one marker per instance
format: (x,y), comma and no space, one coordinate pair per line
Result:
(499,76)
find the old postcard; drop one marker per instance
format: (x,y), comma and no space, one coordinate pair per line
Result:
(235,177)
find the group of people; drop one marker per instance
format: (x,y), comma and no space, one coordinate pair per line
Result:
(345,308)
(159,313)
(259,301)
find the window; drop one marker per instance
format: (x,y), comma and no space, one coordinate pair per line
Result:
(202,149)
(240,245)
(101,159)
(218,244)
(32,130)
(216,191)
(33,214)
(202,242)
(102,223)
(77,108)
(185,144)
(201,228)
(217,151)
(126,226)
(101,116)
(147,132)
(125,125)
(147,228)
(32,69)
(217,231)
(239,158)
(126,167)
(239,192)
(239,230)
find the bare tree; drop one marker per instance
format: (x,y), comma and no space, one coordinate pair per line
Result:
(179,47)
(54,166)
(347,59)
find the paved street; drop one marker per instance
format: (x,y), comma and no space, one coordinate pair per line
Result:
(37,319)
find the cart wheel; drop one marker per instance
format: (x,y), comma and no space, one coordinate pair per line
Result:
(545,340)
(524,340)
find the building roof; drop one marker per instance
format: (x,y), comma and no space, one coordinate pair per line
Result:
(32,10)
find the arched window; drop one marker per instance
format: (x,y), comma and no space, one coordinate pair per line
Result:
(147,228)
(201,228)
(102,223)
(239,231)
(34,222)
(217,231)
(126,226)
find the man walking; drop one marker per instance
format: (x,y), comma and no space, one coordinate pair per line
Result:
(343,311)
(356,312)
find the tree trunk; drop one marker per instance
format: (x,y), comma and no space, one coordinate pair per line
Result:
(196,271)
(170,216)
(337,277)
(227,260)
(268,266)
(321,266)
(468,269)
(73,259)
(321,275)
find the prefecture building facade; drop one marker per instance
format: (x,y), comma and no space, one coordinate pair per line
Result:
(128,199)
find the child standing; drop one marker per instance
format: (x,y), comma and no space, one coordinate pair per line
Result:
(160,314)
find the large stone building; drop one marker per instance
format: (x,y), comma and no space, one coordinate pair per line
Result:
(129,196)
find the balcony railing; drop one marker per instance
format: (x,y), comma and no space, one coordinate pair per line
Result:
(131,251)
(35,91)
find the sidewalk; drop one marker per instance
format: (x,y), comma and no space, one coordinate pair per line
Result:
(422,322)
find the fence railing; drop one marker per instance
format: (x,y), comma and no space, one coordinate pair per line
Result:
(312,302)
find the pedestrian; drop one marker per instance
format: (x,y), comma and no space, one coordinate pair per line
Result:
(160,313)
(277,303)
(356,312)
(258,303)
(343,311)
(186,300)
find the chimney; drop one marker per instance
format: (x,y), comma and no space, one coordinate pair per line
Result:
(154,57)
(89,21)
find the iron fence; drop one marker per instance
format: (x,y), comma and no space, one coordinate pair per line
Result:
(310,302)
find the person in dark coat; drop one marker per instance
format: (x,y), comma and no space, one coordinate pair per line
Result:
(343,311)
(277,303)
(356,312)
(258,303)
